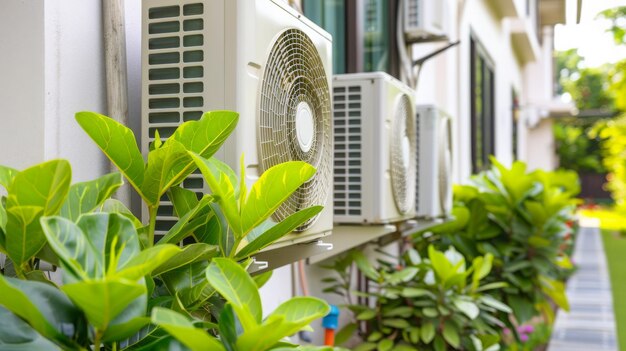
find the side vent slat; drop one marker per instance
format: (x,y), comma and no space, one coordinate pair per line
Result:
(348,151)
(175,82)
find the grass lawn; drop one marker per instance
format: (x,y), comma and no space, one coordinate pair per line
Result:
(615,248)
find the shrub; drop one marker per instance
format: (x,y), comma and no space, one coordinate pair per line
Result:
(429,303)
(117,280)
(521,219)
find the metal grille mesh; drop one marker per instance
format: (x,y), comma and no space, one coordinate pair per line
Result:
(418,123)
(348,143)
(175,82)
(294,74)
(403,177)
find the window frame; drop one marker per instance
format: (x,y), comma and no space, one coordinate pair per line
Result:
(483,122)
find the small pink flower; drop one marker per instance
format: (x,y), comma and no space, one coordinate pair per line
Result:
(506,331)
(526,329)
(523,337)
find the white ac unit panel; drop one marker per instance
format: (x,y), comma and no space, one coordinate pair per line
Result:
(424,20)
(259,58)
(434,170)
(375,149)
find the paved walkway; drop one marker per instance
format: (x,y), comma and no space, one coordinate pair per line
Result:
(589,326)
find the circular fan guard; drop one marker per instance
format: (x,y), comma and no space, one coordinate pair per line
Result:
(403,158)
(294,77)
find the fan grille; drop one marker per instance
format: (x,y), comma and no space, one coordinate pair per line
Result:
(403,157)
(294,76)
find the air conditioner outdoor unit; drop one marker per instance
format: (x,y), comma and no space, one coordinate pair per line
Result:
(434,170)
(424,20)
(260,58)
(375,149)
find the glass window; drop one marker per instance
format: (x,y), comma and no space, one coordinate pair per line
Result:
(376,41)
(331,15)
(482,107)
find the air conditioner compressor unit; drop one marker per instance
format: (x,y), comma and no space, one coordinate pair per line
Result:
(424,20)
(375,149)
(434,170)
(259,58)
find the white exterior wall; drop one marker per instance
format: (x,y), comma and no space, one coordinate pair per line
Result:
(540,147)
(52,67)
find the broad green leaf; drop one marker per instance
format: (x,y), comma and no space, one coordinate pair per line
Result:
(366,346)
(262,337)
(116,206)
(467,307)
(273,187)
(415,292)
(103,300)
(451,334)
(16,335)
(44,185)
(190,221)
(184,200)
(166,167)
(222,180)
(129,321)
(238,288)
(117,332)
(183,329)
(24,237)
(491,302)
(300,311)
(76,253)
(427,332)
(189,254)
(442,267)
(262,278)
(364,265)
(113,236)
(366,315)
(385,345)
(555,290)
(87,196)
(146,261)
(278,231)
(397,323)
(6,176)
(228,328)
(402,276)
(42,306)
(345,333)
(205,136)
(189,283)
(118,144)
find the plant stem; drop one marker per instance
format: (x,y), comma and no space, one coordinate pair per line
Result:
(152,210)
(96,341)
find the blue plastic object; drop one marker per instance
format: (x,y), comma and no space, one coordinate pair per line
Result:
(331,321)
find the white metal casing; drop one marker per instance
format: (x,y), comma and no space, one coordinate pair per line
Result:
(220,68)
(424,20)
(364,105)
(434,170)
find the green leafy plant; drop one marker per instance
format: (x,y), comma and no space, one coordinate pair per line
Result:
(521,219)
(241,326)
(431,303)
(115,276)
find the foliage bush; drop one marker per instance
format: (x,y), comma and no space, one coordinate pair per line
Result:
(575,149)
(613,135)
(121,290)
(520,218)
(431,303)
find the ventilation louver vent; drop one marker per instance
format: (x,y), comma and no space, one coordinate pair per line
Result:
(413,12)
(348,137)
(295,118)
(403,155)
(175,83)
